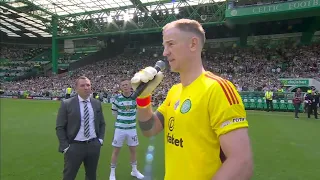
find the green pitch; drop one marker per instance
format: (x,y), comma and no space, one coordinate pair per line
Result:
(284,148)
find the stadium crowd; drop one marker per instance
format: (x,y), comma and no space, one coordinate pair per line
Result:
(18,53)
(250,69)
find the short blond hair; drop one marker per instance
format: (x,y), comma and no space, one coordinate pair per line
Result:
(188,25)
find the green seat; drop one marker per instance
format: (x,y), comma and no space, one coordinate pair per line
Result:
(290,105)
(246,103)
(283,105)
(253,104)
(276,106)
(261,104)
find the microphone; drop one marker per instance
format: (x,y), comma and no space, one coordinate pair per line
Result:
(160,66)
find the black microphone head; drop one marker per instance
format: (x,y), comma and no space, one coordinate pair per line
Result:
(161,65)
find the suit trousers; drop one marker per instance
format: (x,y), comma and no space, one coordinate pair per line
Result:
(78,152)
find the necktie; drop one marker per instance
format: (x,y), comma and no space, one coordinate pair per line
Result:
(86,120)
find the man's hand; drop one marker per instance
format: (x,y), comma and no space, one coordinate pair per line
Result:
(146,75)
(149,122)
(101,141)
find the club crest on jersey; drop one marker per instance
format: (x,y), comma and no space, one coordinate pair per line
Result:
(176,104)
(186,106)
(127,107)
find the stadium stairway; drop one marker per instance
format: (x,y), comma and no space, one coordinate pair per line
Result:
(103,54)
(43,56)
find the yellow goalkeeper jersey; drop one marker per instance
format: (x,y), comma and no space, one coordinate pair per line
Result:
(195,117)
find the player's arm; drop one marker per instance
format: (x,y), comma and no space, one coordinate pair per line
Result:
(150,123)
(236,147)
(61,123)
(114,109)
(228,119)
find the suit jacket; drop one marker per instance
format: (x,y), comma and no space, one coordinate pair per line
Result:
(69,120)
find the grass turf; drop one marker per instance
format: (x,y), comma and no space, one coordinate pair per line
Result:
(284,148)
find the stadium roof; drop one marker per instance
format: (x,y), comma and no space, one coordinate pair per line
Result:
(32,18)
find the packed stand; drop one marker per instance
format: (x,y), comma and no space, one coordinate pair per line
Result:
(70,57)
(256,69)
(249,69)
(19,53)
(15,60)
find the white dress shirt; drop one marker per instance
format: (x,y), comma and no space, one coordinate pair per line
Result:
(80,136)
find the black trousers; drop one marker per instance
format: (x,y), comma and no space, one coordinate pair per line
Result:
(78,152)
(269,105)
(312,108)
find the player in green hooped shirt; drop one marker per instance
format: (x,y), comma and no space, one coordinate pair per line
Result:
(124,110)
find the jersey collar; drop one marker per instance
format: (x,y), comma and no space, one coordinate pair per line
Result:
(127,96)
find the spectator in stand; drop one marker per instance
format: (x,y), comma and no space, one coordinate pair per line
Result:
(250,69)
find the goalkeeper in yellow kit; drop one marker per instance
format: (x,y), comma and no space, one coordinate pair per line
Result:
(203,117)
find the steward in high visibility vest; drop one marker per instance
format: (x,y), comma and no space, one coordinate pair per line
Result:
(269,95)
(68,92)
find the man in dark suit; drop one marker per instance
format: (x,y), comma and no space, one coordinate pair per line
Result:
(80,128)
(312,105)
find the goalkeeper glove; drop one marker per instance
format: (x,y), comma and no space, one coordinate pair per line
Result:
(145,75)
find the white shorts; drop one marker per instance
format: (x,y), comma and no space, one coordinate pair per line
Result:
(120,135)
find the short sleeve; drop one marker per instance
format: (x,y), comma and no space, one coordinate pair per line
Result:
(226,109)
(166,103)
(114,106)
